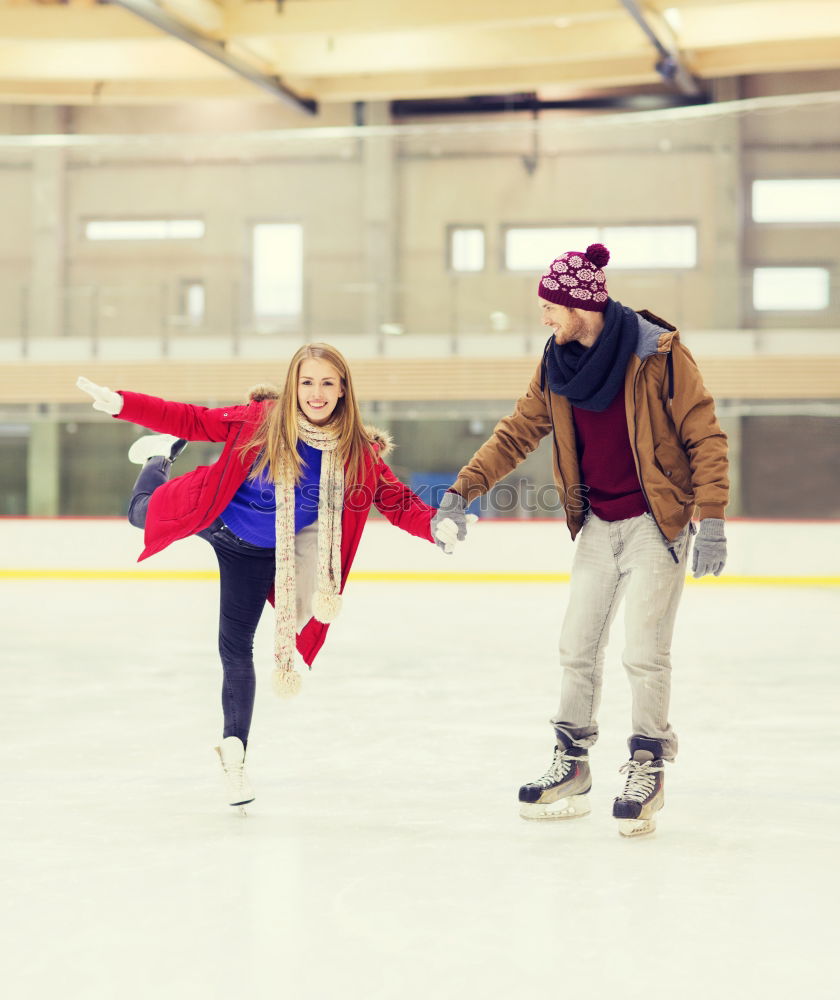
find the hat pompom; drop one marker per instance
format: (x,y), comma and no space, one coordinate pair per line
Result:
(286,683)
(598,254)
(326,607)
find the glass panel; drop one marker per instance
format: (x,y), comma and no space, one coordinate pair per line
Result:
(192,302)
(650,246)
(814,200)
(144,229)
(467,249)
(790,288)
(533,248)
(278,270)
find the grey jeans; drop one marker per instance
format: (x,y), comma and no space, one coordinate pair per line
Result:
(616,559)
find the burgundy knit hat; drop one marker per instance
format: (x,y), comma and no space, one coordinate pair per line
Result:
(576,279)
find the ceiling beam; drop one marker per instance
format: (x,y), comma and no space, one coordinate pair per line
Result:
(158,58)
(758,21)
(85,93)
(570,77)
(70,24)
(780,56)
(149,11)
(351,50)
(353,17)
(206,16)
(197,83)
(670,64)
(448,50)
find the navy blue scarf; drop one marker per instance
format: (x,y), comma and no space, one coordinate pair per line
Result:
(590,377)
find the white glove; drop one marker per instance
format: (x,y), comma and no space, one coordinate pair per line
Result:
(103,399)
(446,532)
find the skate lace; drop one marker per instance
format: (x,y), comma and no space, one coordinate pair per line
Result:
(560,767)
(641,779)
(236,774)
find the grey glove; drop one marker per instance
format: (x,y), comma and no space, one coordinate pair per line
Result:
(709,548)
(452,508)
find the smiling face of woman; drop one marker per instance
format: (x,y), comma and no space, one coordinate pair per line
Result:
(318,390)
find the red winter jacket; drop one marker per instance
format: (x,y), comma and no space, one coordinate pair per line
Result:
(189,503)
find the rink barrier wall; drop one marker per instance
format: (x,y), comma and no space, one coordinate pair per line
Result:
(770,553)
(453,377)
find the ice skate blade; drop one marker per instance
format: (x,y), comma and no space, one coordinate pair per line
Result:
(636,827)
(569,808)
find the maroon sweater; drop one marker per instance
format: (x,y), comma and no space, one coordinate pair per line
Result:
(606,462)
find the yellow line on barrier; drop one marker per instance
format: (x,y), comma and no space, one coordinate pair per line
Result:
(388,576)
(396,576)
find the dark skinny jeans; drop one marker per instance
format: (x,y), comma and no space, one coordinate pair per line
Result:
(246,574)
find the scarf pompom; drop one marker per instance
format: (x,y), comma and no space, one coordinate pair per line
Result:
(286,683)
(326,607)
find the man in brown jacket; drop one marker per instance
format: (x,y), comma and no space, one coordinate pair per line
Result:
(636,449)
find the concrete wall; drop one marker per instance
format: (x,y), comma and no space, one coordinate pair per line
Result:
(376,214)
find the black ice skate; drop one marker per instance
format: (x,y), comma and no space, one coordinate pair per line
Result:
(644,789)
(562,792)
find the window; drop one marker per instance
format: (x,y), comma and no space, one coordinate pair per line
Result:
(790,289)
(192,302)
(650,246)
(466,248)
(277,270)
(144,229)
(811,200)
(533,248)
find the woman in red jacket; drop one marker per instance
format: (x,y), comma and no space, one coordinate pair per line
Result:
(284,507)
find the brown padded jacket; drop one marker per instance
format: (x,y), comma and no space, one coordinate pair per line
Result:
(678,447)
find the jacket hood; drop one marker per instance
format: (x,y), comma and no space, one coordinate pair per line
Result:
(382,439)
(656,335)
(262,391)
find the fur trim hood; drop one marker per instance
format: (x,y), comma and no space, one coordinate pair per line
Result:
(265,390)
(262,391)
(382,439)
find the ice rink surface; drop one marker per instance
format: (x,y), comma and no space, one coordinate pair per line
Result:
(383,858)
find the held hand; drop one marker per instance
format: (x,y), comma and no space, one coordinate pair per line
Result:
(452,507)
(709,548)
(446,533)
(103,399)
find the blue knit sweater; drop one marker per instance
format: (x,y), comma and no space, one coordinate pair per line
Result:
(251,512)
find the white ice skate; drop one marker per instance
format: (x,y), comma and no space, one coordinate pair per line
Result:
(232,755)
(154,446)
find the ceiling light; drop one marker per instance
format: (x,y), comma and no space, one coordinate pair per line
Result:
(673,18)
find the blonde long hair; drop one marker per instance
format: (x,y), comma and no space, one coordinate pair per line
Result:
(276,435)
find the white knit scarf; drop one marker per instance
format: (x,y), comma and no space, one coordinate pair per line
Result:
(326,602)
